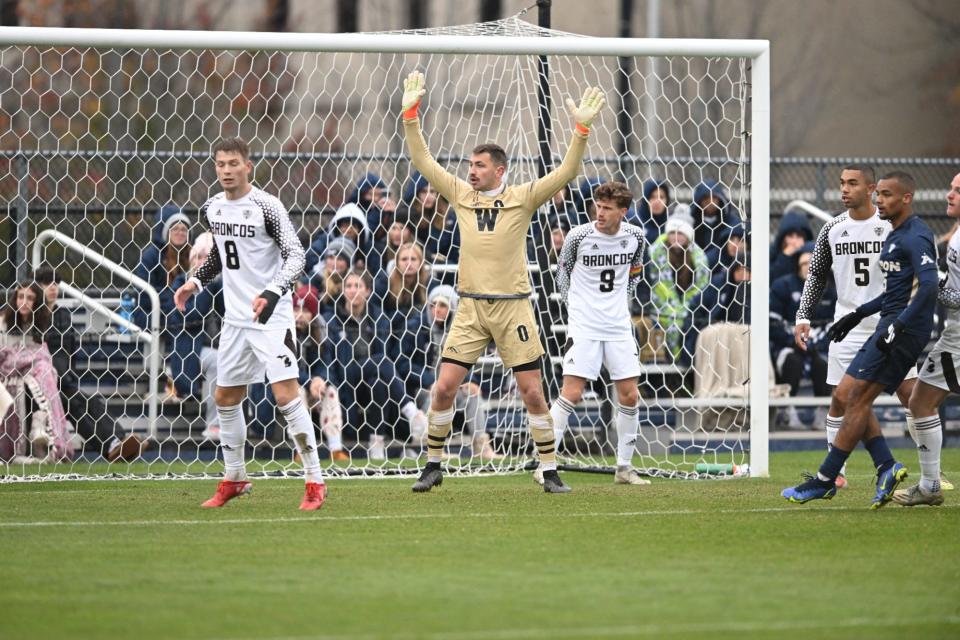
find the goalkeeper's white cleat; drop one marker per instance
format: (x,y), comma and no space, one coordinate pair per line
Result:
(914,495)
(628,475)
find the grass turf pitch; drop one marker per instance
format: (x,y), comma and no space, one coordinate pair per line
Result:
(480,558)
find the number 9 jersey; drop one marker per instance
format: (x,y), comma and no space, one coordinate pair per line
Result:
(597,275)
(256,248)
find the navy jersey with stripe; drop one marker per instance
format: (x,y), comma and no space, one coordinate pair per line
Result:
(909,254)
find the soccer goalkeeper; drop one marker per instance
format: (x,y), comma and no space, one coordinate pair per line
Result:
(493,219)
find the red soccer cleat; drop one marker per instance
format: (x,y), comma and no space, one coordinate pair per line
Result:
(313,496)
(227,491)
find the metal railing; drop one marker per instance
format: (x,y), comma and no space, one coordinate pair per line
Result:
(151,338)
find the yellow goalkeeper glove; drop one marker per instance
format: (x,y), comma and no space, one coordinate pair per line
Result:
(413,89)
(590,105)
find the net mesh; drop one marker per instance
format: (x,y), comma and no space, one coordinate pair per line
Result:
(101,144)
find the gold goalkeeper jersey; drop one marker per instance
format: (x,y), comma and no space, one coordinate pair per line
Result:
(493,228)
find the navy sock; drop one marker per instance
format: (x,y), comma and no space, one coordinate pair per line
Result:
(880,452)
(834,461)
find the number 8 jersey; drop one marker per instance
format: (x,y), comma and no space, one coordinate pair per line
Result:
(256,248)
(597,275)
(851,249)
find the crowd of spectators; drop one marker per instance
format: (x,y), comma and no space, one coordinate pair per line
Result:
(378,295)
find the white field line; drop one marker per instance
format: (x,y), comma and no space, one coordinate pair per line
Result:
(630,631)
(434,516)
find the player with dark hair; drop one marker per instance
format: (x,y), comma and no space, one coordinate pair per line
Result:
(905,324)
(260,256)
(493,284)
(848,247)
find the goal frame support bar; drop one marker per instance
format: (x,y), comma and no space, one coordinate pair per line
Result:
(758,51)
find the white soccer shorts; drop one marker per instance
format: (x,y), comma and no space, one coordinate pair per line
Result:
(939,369)
(246,355)
(585,357)
(842,354)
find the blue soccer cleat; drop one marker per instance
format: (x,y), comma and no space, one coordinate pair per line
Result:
(887,482)
(812,488)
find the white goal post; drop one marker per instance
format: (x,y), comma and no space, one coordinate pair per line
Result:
(455,119)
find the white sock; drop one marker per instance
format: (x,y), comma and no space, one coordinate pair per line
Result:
(560,412)
(409,409)
(929,437)
(300,426)
(233,438)
(833,427)
(628,420)
(911,426)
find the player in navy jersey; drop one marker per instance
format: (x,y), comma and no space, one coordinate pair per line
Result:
(848,247)
(908,254)
(259,254)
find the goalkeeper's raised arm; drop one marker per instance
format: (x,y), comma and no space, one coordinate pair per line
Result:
(446,184)
(583,116)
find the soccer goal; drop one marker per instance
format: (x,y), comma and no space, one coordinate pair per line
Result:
(101,130)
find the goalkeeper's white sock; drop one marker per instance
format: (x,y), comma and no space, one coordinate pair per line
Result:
(833,427)
(628,421)
(560,412)
(233,438)
(300,427)
(929,437)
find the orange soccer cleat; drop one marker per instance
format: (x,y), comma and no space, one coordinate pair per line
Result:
(227,491)
(313,496)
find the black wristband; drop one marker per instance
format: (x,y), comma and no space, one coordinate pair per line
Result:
(267,311)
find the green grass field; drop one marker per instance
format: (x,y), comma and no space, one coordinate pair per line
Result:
(479,558)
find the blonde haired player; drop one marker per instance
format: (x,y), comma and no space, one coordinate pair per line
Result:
(494,288)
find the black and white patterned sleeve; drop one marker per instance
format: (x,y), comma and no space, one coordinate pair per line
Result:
(820,264)
(212,266)
(950,298)
(636,263)
(279,227)
(568,258)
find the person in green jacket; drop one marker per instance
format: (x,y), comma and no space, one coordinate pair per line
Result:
(678,273)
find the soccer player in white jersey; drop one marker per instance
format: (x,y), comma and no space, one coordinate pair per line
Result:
(938,377)
(259,254)
(849,245)
(599,267)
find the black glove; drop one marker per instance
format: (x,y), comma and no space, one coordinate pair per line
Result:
(272,300)
(844,325)
(895,333)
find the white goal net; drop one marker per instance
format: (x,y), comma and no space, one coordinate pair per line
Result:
(105,159)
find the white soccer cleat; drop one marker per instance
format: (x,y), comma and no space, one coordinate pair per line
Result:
(914,495)
(628,475)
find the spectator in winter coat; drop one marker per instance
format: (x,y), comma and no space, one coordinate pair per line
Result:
(714,216)
(652,210)
(794,233)
(678,273)
(355,359)
(791,363)
(166,258)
